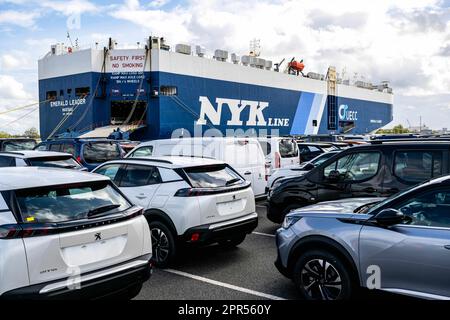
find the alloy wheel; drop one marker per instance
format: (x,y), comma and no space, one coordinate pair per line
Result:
(321,280)
(160,245)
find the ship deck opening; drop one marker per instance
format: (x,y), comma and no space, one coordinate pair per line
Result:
(120,111)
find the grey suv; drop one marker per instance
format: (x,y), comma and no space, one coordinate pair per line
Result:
(400,244)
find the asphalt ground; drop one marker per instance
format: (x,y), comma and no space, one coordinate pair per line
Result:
(246,272)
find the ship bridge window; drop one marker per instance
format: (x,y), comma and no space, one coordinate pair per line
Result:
(168,91)
(61,93)
(69,91)
(51,95)
(82,92)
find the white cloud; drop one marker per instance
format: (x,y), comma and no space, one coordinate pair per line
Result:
(18,18)
(70,7)
(10,88)
(17,60)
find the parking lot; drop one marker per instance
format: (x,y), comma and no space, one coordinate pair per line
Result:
(243,273)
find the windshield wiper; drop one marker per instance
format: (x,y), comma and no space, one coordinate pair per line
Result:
(232,181)
(99,210)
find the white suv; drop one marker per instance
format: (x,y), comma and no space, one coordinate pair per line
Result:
(187,200)
(69,234)
(39,159)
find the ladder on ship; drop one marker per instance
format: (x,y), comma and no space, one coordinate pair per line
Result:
(332,98)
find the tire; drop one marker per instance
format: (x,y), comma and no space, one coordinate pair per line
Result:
(315,284)
(163,244)
(232,242)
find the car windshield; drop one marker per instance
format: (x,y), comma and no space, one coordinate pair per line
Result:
(16,145)
(56,162)
(98,152)
(69,203)
(212,176)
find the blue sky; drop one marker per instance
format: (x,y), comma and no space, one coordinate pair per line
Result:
(406,42)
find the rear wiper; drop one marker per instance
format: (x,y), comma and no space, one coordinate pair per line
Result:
(232,181)
(99,210)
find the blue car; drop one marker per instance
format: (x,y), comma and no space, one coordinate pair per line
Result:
(89,152)
(400,244)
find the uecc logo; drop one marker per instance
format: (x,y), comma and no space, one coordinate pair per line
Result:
(347,115)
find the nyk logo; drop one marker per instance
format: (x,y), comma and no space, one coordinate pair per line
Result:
(256,116)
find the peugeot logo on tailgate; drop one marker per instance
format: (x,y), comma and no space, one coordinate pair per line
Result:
(98,236)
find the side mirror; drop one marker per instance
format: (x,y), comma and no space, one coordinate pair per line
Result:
(334,176)
(390,217)
(308,166)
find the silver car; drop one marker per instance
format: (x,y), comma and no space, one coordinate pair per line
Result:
(400,244)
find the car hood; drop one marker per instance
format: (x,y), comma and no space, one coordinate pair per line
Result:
(337,208)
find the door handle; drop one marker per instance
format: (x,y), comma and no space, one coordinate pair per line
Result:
(370,190)
(447,247)
(141,197)
(247,173)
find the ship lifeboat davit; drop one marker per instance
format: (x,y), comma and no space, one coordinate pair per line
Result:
(297,65)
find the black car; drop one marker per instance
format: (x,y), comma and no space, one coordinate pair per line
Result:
(17,144)
(378,169)
(89,152)
(310,150)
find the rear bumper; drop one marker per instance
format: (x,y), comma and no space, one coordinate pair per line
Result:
(93,285)
(211,233)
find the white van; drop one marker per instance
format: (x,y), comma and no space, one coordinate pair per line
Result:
(245,155)
(280,152)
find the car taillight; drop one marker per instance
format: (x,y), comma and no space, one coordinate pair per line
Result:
(17,231)
(189,192)
(79,159)
(277,160)
(267,167)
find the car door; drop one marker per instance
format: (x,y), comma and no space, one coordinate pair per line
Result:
(139,183)
(369,174)
(413,257)
(337,178)
(410,167)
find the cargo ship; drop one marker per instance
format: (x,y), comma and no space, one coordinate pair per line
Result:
(154,91)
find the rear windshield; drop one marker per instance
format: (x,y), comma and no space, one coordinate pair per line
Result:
(212,176)
(17,145)
(288,148)
(69,203)
(98,152)
(56,162)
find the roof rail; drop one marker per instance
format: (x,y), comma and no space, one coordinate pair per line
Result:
(381,141)
(189,156)
(147,160)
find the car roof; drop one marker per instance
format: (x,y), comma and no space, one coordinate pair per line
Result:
(319,144)
(15,178)
(29,154)
(82,140)
(171,162)
(195,139)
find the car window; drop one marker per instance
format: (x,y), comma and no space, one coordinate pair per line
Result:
(212,176)
(55,147)
(111,171)
(288,148)
(142,152)
(7,161)
(431,209)
(98,152)
(137,176)
(417,166)
(68,203)
(65,162)
(41,147)
(266,147)
(304,149)
(15,145)
(314,149)
(355,166)
(68,148)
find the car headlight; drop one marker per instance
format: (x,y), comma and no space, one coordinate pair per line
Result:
(290,221)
